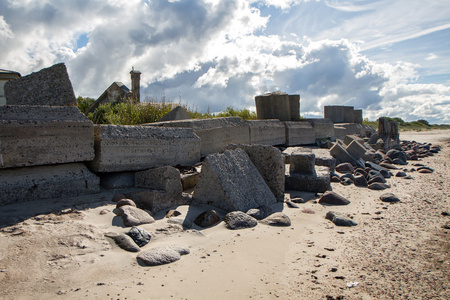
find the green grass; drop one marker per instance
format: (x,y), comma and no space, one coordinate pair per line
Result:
(419,125)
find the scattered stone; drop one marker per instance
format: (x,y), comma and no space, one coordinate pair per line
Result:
(104,211)
(378,186)
(277,219)
(298,200)
(396,154)
(400,162)
(133,216)
(308,211)
(361,171)
(360,181)
(123,202)
(445,213)
(374,179)
(207,218)
(339,219)
(140,236)
(425,170)
(400,174)
(335,178)
(385,173)
(124,241)
(291,204)
(333,199)
(118,197)
(172,213)
(239,220)
(260,212)
(446,225)
(389,197)
(345,168)
(162,255)
(388,166)
(346,181)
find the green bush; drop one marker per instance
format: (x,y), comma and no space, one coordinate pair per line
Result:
(83,104)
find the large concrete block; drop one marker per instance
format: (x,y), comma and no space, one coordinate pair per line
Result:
(358,116)
(294,107)
(323,128)
(341,154)
(344,129)
(50,86)
(299,133)
(44,182)
(302,163)
(165,178)
(270,163)
(314,183)
(322,156)
(274,105)
(356,150)
(215,134)
(352,137)
(42,135)
(230,181)
(267,132)
(334,112)
(135,148)
(349,115)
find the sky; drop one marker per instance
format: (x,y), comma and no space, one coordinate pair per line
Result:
(387,57)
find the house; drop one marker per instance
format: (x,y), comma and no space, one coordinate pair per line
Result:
(6,75)
(117,91)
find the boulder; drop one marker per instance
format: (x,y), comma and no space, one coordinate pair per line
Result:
(140,236)
(260,212)
(133,216)
(333,199)
(125,201)
(360,181)
(239,220)
(162,255)
(277,219)
(345,168)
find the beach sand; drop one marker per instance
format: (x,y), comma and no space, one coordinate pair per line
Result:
(397,251)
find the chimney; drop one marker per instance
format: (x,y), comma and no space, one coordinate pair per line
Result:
(136,84)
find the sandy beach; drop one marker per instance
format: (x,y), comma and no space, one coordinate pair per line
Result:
(397,251)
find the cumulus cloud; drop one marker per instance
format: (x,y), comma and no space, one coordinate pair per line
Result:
(210,54)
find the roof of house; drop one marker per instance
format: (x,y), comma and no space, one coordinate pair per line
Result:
(3,71)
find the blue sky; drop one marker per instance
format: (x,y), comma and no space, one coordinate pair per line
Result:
(387,57)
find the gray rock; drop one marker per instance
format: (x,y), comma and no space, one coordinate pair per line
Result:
(140,236)
(133,216)
(378,186)
(345,168)
(397,154)
(389,197)
(374,179)
(231,181)
(277,219)
(207,218)
(124,241)
(239,220)
(298,200)
(260,212)
(339,219)
(398,161)
(400,174)
(346,181)
(333,199)
(50,86)
(162,255)
(360,181)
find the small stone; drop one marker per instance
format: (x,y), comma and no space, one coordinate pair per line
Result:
(378,186)
(360,181)
(298,200)
(425,170)
(162,255)
(400,162)
(400,174)
(172,213)
(124,241)
(239,220)
(335,179)
(345,168)
(133,216)
(339,219)
(389,197)
(123,202)
(140,236)
(277,219)
(333,199)
(207,218)
(104,211)
(346,181)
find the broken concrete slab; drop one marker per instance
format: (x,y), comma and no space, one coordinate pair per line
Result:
(270,163)
(178,113)
(45,182)
(50,86)
(42,135)
(231,181)
(134,148)
(318,183)
(323,128)
(215,134)
(267,132)
(299,133)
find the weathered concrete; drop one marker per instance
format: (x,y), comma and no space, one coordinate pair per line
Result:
(356,150)
(349,116)
(352,137)
(164,178)
(274,105)
(215,134)
(270,163)
(341,154)
(344,129)
(117,180)
(358,116)
(323,128)
(135,148)
(322,156)
(178,113)
(318,183)
(334,112)
(41,135)
(267,132)
(50,86)
(157,200)
(231,181)
(299,133)
(44,182)
(294,107)
(302,163)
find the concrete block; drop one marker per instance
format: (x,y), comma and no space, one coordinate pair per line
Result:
(45,182)
(334,112)
(289,150)
(41,135)
(136,148)
(302,163)
(269,161)
(349,116)
(215,134)
(356,150)
(358,116)
(231,181)
(50,86)
(156,200)
(267,132)
(165,178)
(116,180)
(324,158)
(352,137)
(299,133)
(274,105)
(341,154)
(294,107)
(323,128)
(344,129)
(318,183)
(178,113)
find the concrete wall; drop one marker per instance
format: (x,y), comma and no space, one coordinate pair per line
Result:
(267,132)
(323,128)
(342,114)
(299,133)
(294,107)
(273,106)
